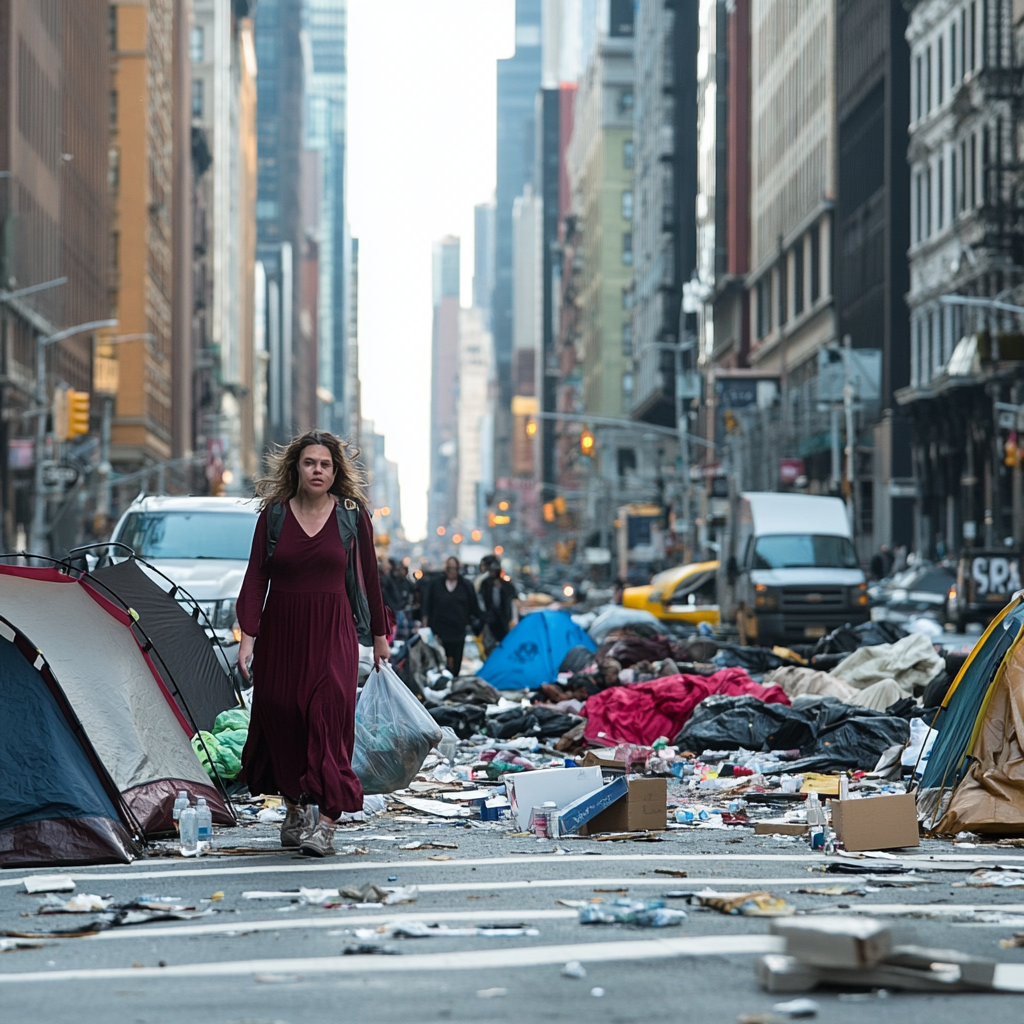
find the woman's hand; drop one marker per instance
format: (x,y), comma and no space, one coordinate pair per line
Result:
(381,650)
(245,647)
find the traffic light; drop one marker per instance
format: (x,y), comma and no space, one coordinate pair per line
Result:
(549,512)
(587,443)
(78,413)
(1012,455)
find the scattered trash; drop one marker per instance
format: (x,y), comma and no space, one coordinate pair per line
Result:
(797,1008)
(998,877)
(746,904)
(422,930)
(368,949)
(642,913)
(49,883)
(82,903)
(574,969)
(491,993)
(418,844)
(597,992)
(9,945)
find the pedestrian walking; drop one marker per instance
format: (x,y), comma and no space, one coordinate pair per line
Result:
(497,602)
(313,547)
(404,589)
(449,608)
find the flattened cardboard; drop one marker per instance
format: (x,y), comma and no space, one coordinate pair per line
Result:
(645,809)
(575,816)
(835,941)
(877,822)
(779,827)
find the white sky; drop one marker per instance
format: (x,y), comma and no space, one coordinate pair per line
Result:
(421,119)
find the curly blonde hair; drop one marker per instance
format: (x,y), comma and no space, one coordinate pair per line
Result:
(282,481)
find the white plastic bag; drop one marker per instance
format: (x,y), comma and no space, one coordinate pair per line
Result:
(394,733)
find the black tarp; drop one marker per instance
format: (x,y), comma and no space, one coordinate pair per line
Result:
(183,653)
(833,734)
(59,805)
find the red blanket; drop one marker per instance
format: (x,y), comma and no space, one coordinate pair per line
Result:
(641,712)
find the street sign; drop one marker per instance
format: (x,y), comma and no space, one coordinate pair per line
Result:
(57,474)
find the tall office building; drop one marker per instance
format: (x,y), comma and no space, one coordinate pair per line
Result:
(279,223)
(476,376)
(518,81)
(326,128)
(444,455)
(55,109)
(483,259)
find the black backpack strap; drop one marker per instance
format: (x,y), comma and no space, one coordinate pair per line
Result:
(275,523)
(347,513)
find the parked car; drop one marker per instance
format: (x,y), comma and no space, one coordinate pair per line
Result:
(202,544)
(985,582)
(687,593)
(918,593)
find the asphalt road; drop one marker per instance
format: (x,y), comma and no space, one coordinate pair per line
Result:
(280,960)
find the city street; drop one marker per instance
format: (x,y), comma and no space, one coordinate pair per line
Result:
(275,960)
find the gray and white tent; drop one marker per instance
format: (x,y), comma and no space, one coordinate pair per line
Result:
(113,688)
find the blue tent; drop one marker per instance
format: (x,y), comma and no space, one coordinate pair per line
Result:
(531,653)
(60,805)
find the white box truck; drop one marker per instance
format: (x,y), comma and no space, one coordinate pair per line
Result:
(790,571)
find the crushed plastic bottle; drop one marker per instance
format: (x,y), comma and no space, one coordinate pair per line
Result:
(180,803)
(188,830)
(204,821)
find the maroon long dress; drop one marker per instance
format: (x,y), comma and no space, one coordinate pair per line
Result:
(305,663)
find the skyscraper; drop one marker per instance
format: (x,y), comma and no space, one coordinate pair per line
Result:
(442,498)
(326,128)
(518,81)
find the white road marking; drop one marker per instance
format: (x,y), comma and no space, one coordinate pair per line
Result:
(331,864)
(487,959)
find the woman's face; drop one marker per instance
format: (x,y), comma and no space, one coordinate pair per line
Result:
(316,470)
(451,569)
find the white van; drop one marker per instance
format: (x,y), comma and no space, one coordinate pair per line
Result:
(792,570)
(202,544)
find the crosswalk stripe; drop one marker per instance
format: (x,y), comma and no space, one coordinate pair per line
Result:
(485,959)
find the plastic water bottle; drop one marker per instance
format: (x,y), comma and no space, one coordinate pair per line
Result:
(204,821)
(180,803)
(188,830)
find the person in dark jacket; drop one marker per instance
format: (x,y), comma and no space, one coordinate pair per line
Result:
(449,607)
(497,602)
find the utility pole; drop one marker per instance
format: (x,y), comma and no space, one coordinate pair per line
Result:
(851,440)
(38,537)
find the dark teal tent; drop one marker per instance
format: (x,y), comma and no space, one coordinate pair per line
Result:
(60,805)
(531,653)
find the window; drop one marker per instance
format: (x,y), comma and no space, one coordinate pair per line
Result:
(928,204)
(197,45)
(941,210)
(783,289)
(626,102)
(928,81)
(266,209)
(804,551)
(963,44)
(940,78)
(764,313)
(627,248)
(189,534)
(197,97)
(915,355)
(952,55)
(627,155)
(627,385)
(952,184)
(985,144)
(115,250)
(918,84)
(798,278)
(815,265)
(114,169)
(627,339)
(974,169)
(918,212)
(626,460)
(627,298)
(113,110)
(112,26)
(963,175)
(627,205)
(974,32)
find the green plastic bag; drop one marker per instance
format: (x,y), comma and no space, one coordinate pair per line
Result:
(231,721)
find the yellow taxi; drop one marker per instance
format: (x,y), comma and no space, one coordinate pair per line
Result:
(687,593)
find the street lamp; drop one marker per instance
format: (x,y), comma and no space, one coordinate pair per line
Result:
(38,505)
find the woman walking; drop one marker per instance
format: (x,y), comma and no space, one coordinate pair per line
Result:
(449,606)
(313,547)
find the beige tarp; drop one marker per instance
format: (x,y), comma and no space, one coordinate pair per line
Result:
(990,798)
(796,681)
(911,662)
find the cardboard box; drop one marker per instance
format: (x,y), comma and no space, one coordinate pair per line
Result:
(575,816)
(779,827)
(645,809)
(602,757)
(877,822)
(527,790)
(850,942)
